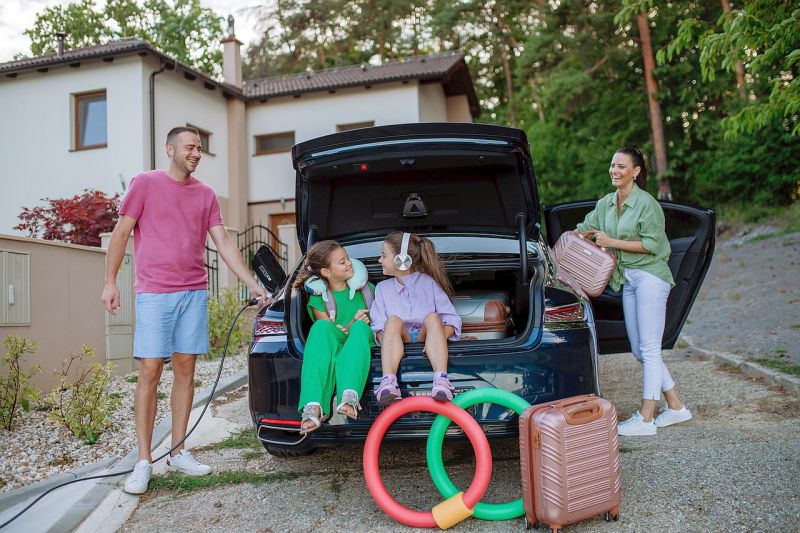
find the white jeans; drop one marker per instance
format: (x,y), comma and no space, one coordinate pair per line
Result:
(644,302)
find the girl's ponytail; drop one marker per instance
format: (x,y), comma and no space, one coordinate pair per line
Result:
(431,265)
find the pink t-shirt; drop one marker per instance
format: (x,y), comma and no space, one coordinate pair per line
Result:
(172,220)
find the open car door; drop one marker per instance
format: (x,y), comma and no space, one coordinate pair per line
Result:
(691,233)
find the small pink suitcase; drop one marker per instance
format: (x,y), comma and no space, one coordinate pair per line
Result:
(569,460)
(585,262)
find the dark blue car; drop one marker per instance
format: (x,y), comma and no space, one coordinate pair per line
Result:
(471,189)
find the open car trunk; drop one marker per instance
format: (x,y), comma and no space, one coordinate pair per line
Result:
(491,296)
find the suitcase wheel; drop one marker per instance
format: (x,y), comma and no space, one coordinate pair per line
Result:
(609,516)
(534,524)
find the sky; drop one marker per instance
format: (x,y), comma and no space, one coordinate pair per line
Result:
(18,15)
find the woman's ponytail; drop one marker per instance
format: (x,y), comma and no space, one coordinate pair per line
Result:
(638,161)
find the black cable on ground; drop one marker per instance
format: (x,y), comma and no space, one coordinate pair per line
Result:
(157,459)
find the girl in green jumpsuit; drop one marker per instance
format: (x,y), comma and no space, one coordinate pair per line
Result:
(337,353)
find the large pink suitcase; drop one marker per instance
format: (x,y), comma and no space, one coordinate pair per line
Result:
(585,262)
(569,459)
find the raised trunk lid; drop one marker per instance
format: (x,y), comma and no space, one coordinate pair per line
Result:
(455,178)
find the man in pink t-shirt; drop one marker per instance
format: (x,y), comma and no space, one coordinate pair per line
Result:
(170,213)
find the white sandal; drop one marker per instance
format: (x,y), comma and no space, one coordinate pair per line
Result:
(309,413)
(349,398)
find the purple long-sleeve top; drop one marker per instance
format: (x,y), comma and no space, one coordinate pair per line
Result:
(412,300)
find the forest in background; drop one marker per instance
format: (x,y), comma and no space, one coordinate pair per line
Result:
(708,90)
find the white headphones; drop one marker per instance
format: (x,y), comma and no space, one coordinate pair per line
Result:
(402,261)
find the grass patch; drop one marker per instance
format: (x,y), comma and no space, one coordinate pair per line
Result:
(160,395)
(682,344)
(245,438)
(625,449)
(794,228)
(780,350)
(727,367)
(781,365)
(251,455)
(796,325)
(180,483)
(741,214)
(133,378)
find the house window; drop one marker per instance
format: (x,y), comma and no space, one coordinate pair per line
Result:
(205,139)
(274,143)
(90,120)
(355,125)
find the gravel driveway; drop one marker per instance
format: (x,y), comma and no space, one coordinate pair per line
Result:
(734,467)
(750,301)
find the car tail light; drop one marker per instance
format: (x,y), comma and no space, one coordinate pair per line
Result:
(270,327)
(279,422)
(564,313)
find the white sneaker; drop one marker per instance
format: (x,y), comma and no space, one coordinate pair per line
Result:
(673,416)
(185,463)
(139,478)
(636,426)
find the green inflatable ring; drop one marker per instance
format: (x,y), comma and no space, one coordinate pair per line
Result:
(484,511)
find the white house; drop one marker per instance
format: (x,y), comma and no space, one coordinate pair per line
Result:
(94,117)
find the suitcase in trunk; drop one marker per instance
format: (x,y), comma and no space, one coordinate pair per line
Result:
(585,262)
(569,460)
(484,314)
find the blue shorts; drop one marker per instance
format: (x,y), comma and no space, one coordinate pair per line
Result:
(171,322)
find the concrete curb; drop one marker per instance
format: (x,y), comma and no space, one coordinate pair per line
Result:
(13,497)
(73,517)
(749,368)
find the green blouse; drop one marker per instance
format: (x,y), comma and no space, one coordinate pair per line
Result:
(641,219)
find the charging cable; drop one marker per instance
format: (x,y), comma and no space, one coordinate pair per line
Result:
(249,303)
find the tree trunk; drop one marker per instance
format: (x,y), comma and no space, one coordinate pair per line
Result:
(512,115)
(505,30)
(656,121)
(726,7)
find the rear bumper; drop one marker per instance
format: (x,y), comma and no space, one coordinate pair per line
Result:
(561,365)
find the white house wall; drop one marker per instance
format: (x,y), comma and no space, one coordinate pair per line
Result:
(432,104)
(36,134)
(180,101)
(271,176)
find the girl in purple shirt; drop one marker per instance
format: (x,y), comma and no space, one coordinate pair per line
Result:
(413,306)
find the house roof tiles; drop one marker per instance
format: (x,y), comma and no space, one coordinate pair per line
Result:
(449,69)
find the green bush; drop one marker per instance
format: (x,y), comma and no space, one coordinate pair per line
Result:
(83,404)
(222,310)
(16,391)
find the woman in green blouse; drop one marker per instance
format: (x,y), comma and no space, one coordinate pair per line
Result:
(630,223)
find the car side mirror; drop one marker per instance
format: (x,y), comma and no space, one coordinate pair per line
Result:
(268,270)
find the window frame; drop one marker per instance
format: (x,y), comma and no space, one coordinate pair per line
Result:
(77,146)
(273,135)
(355,125)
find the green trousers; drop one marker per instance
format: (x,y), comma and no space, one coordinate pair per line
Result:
(333,360)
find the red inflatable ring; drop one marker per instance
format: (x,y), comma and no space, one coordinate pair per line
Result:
(483,457)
